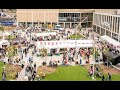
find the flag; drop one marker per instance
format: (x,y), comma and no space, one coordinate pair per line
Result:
(48,43)
(52,43)
(56,43)
(40,42)
(45,43)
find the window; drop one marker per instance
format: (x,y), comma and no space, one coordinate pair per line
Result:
(90,17)
(102,20)
(118,24)
(113,24)
(110,22)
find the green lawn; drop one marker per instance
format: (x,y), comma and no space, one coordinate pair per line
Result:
(1,69)
(74,36)
(74,73)
(11,37)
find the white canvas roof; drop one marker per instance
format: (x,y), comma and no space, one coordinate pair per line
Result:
(110,40)
(64,44)
(6,33)
(45,34)
(4,42)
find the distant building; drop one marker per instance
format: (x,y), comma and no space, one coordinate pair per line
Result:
(105,23)
(67,18)
(6,19)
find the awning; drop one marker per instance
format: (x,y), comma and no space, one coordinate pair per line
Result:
(64,44)
(110,40)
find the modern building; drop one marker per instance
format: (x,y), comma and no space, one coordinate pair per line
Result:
(107,23)
(67,18)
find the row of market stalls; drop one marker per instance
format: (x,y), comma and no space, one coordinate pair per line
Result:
(44,35)
(57,46)
(111,41)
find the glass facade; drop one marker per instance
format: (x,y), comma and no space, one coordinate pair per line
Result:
(69,17)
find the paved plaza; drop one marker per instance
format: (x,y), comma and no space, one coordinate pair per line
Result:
(47,59)
(38,60)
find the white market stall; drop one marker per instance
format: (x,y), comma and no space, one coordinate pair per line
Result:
(45,34)
(4,43)
(111,41)
(63,44)
(7,33)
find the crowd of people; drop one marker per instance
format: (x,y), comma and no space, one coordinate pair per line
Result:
(68,56)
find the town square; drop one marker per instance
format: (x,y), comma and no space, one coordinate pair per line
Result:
(59,45)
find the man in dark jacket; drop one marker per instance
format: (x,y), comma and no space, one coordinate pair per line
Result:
(109,76)
(103,78)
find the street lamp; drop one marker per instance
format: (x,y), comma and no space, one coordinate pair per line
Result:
(94,42)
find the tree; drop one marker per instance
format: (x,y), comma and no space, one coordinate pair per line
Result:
(45,25)
(11,52)
(107,54)
(2,28)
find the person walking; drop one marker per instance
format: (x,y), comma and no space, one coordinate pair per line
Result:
(103,78)
(35,65)
(109,76)
(80,61)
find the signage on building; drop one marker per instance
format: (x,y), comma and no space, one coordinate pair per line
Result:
(105,24)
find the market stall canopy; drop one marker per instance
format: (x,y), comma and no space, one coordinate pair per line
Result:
(64,44)
(4,42)
(45,34)
(7,33)
(110,40)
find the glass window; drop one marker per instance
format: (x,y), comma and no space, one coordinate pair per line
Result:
(102,31)
(94,28)
(110,22)
(113,24)
(118,25)
(65,14)
(76,14)
(72,14)
(107,18)
(68,14)
(90,17)
(60,14)
(100,19)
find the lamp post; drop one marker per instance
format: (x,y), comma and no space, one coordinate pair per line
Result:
(93,76)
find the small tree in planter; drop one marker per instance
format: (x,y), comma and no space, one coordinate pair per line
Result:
(2,29)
